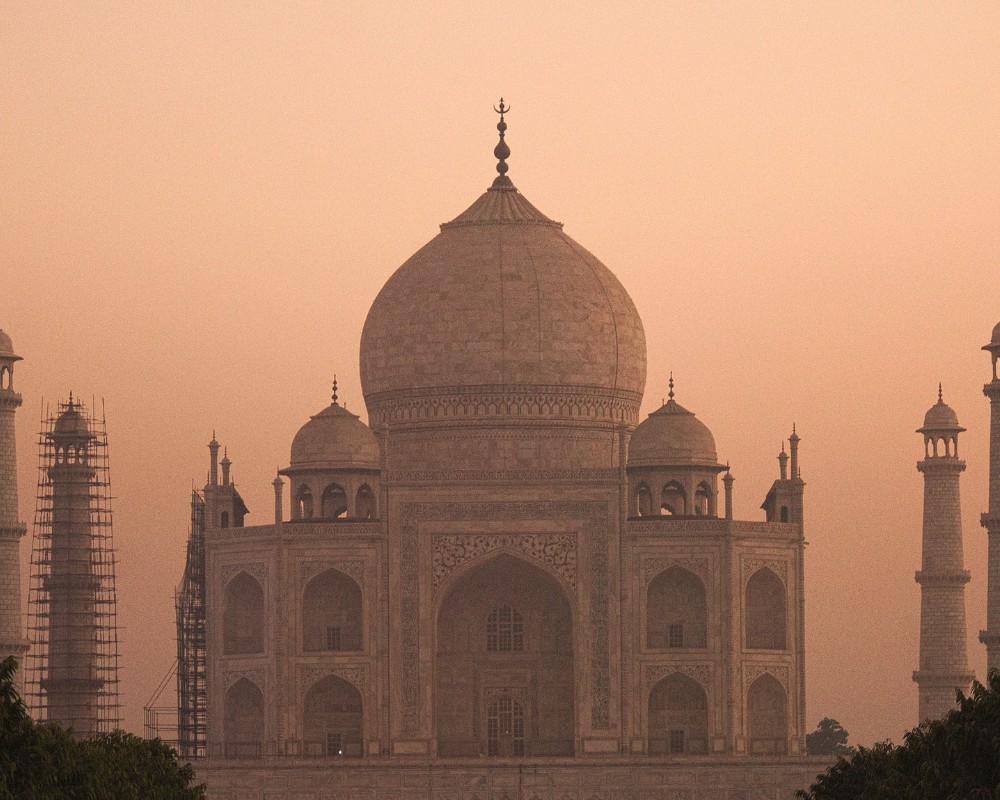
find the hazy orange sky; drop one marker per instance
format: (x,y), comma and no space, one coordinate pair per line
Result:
(199,202)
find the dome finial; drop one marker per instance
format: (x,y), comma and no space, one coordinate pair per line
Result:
(335,390)
(502,151)
(940,394)
(670,383)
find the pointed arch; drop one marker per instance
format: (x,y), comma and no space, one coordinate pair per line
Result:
(678,716)
(304,502)
(243,720)
(764,611)
(333,719)
(332,618)
(673,499)
(767,716)
(333,504)
(643,500)
(364,502)
(243,616)
(470,674)
(676,610)
(703,505)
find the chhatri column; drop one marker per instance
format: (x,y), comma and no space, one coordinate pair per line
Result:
(944,667)
(991,519)
(12,640)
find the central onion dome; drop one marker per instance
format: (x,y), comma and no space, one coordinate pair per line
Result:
(502,315)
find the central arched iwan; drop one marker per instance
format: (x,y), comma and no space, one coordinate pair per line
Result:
(504,649)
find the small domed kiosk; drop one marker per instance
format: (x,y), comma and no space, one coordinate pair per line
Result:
(672,464)
(334,467)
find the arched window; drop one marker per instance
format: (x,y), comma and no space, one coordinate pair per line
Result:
(504,631)
(365,502)
(4,378)
(643,500)
(243,618)
(224,521)
(765,611)
(304,503)
(784,513)
(505,728)
(767,716)
(331,613)
(673,500)
(334,502)
(703,500)
(243,720)
(678,716)
(676,610)
(333,719)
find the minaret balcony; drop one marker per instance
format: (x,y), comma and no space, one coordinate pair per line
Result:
(943,579)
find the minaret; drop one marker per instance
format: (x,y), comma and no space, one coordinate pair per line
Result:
(991,519)
(72,684)
(942,577)
(12,641)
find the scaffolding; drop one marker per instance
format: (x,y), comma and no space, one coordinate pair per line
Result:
(159,720)
(192,695)
(87,572)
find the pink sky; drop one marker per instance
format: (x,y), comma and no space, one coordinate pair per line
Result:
(201,200)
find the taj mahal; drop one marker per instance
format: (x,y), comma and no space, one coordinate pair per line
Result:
(506,584)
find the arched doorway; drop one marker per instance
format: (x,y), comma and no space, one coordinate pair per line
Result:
(504,682)
(766,628)
(676,611)
(678,716)
(332,719)
(243,720)
(767,716)
(331,613)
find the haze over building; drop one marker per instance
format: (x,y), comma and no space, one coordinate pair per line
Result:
(508,567)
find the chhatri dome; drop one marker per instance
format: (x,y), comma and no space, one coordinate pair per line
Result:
(672,436)
(502,301)
(940,417)
(334,439)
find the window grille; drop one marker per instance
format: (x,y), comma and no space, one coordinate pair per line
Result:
(333,639)
(505,728)
(677,741)
(675,635)
(334,744)
(505,631)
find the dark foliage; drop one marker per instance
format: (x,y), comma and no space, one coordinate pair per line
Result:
(829,739)
(954,758)
(44,762)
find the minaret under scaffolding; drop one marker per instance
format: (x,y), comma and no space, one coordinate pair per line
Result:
(73,664)
(12,641)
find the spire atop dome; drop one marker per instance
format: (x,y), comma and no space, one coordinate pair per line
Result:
(335,389)
(502,151)
(670,383)
(940,397)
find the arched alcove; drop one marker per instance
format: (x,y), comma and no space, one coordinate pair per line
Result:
(243,720)
(703,500)
(243,617)
(673,499)
(676,610)
(365,502)
(487,614)
(764,610)
(767,716)
(643,500)
(304,503)
(334,502)
(332,613)
(678,716)
(333,719)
